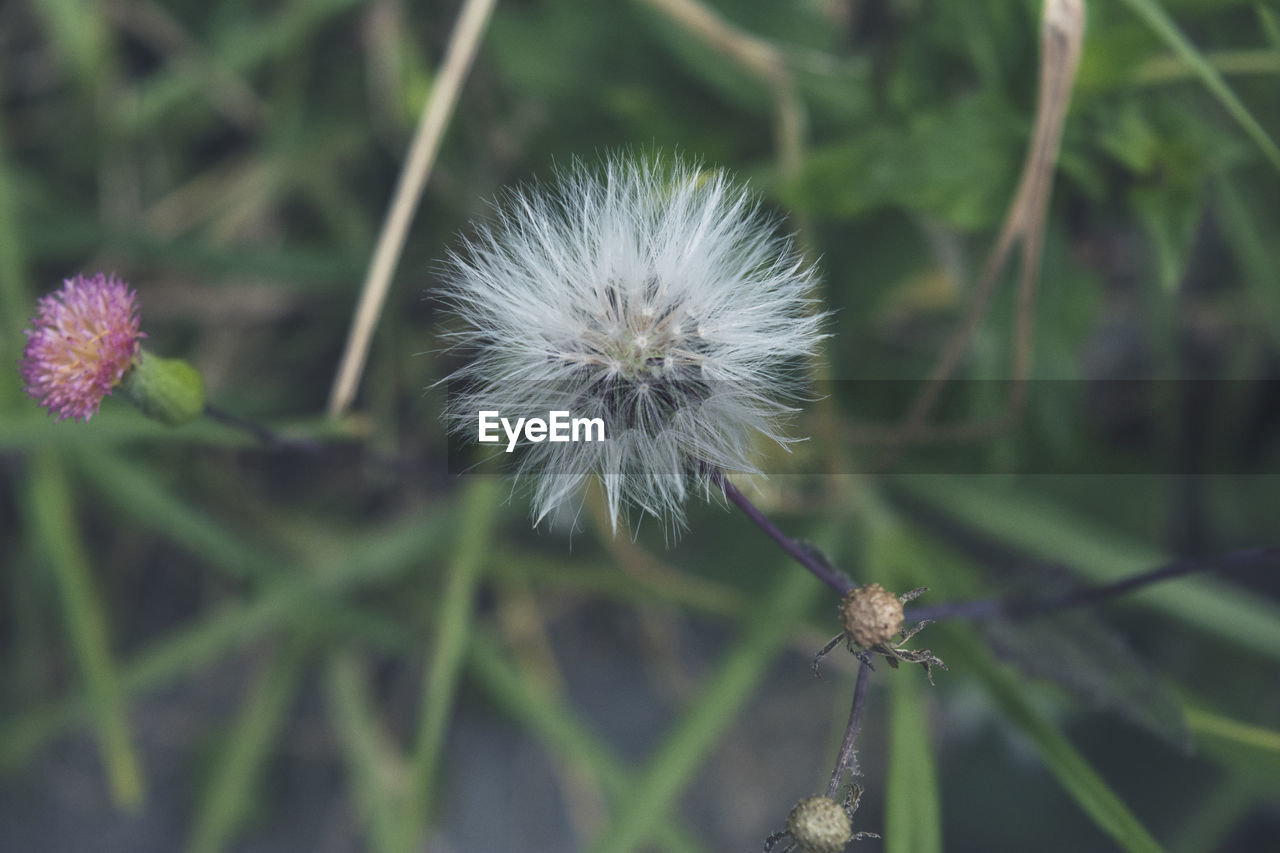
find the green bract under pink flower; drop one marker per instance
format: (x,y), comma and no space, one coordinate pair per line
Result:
(83,339)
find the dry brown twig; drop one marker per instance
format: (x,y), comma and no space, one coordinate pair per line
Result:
(461,51)
(1061,40)
(759,58)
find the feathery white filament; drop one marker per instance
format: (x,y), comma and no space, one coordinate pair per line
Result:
(658,298)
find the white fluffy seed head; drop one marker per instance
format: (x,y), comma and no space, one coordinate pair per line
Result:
(654,296)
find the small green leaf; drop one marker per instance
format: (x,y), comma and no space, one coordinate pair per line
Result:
(958,163)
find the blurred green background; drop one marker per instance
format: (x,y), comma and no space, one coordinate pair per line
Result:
(212,646)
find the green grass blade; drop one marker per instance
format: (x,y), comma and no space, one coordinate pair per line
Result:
(1251,753)
(1242,224)
(134,491)
(240,51)
(1214,818)
(536,707)
(604,580)
(227,629)
(454,623)
(377,772)
(118,423)
(895,556)
(1168,69)
(15,305)
(1159,21)
(1077,777)
(238,774)
(86,624)
(80,34)
(1270,25)
(913,811)
(680,756)
(1205,723)
(375,557)
(1017,518)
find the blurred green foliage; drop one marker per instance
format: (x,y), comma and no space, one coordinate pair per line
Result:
(234,161)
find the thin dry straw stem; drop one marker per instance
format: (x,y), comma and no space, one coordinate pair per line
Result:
(1061,43)
(459,55)
(760,58)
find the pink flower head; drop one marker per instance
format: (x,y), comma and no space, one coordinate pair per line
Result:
(84,338)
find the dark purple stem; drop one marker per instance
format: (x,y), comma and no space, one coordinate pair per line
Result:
(265,435)
(1026,607)
(797,552)
(846,759)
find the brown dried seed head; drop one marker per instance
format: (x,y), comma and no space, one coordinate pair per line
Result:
(819,825)
(871,615)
